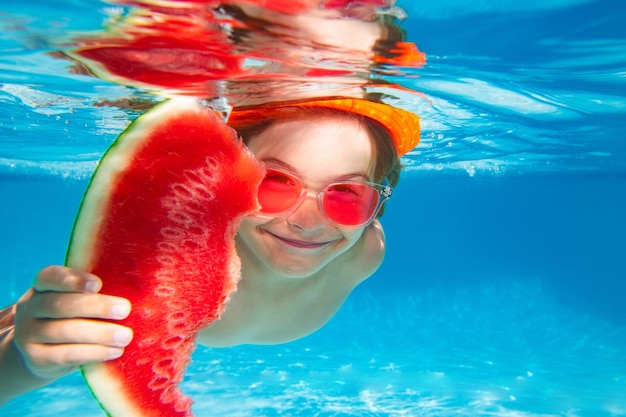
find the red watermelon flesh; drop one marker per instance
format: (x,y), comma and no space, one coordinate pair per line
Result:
(157,224)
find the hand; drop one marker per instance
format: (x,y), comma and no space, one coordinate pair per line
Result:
(57,327)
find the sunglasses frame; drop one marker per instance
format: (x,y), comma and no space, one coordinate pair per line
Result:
(384,193)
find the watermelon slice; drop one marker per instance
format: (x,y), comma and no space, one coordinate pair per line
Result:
(157,224)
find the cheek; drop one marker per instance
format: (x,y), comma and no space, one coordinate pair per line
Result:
(250,228)
(249,225)
(352,235)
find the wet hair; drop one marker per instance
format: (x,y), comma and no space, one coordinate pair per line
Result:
(385,166)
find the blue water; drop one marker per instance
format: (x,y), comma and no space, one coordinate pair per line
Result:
(502,293)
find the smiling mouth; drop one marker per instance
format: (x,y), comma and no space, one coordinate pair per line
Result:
(299,243)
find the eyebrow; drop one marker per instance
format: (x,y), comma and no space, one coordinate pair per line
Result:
(292,169)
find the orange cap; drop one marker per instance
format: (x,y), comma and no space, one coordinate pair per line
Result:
(403,126)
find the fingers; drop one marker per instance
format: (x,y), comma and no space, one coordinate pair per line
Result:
(80,331)
(60,344)
(62,292)
(59,323)
(54,361)
(64,279)
(56,305)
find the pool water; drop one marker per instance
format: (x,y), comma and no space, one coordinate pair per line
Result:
(502,292)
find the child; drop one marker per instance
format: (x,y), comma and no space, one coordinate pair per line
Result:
(301,255)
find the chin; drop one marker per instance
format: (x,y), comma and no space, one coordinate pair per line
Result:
(296,270)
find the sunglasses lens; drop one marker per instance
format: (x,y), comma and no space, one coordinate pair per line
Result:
(350,204)
(278,192)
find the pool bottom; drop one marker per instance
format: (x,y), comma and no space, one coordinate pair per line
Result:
(497,349)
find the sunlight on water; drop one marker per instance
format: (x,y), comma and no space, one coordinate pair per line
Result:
(486,109)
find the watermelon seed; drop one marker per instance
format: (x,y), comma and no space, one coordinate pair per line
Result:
(190,244)
(199,231)
(166,260)
(181,192)
(166,246)
(147,342)
(173,342)
(169,395)
(158,383)
(180,217)
(172,232)
(183,404)
(142,360)
(174,304)
(199,191)
(181,325)
(212,163)
(178,315)
(163,291)
(163,366)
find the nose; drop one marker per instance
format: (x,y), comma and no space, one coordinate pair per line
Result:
(307,216)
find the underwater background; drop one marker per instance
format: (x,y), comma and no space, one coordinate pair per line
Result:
(502,292)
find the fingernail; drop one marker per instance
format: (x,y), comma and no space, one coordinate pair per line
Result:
(120,311)
(122,337)
(114,353)
(92,286)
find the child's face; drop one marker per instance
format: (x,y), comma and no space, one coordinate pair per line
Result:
(319,151)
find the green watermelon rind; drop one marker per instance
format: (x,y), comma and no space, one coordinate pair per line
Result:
(118,147)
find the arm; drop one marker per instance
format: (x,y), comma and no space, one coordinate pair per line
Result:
(55,327)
